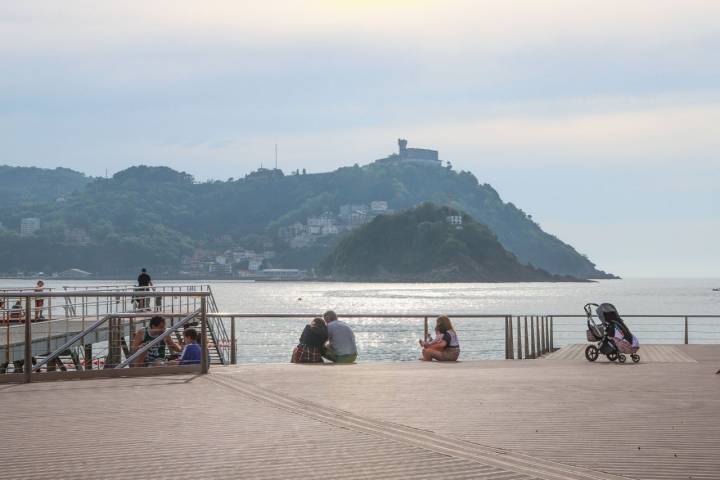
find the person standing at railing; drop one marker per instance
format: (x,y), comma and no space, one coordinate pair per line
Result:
(156,354)
(144,283)
(341,347)
(39,302)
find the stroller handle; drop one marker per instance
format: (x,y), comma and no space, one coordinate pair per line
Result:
(588,308)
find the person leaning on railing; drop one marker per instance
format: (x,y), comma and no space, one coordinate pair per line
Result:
(39,302)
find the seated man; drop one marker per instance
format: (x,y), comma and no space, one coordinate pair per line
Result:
(192,352)
(341,346)
(156,354)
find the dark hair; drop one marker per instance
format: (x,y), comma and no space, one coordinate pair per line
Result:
(330,316)
(143,270)
(444,324)
(191,333)
(318,324)
(156,321)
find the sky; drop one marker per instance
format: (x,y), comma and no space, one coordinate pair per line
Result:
(599,118)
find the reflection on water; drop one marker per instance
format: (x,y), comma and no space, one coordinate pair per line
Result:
(271,340)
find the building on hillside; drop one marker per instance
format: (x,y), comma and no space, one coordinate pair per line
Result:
(291,231)
(281,274)
(417,155)
(455,220)
(316,225)
(29,225)
(224,269)
(346,211)
(378,206)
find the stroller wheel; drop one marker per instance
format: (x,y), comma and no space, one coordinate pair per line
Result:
(591,353)
(635,357)
(612,356)
(622,358)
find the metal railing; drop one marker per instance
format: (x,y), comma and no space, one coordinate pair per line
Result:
(89,319)
(270,337)
(483,336)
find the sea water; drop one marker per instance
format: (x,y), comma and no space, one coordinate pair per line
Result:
(386,339)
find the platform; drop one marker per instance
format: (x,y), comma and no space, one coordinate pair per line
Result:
(499,420)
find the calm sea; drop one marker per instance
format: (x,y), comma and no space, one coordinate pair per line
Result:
(271,340)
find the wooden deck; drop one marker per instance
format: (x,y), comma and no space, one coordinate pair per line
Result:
(500,420)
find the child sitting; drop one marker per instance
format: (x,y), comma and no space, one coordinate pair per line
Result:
(192,352)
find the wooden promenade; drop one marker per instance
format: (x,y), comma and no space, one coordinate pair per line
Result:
(555,418)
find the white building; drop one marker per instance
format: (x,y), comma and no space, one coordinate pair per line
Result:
(454,219)
(346,211)
(220,269)
(379,206)
(28,226)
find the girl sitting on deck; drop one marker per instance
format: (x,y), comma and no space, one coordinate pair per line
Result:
(312,341)
(445,347)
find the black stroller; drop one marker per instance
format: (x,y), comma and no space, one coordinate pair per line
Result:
(611,336)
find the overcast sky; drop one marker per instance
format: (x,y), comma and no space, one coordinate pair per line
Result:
(600,118)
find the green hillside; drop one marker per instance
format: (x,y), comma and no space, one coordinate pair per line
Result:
(422,244)
(19,185)
(165,214)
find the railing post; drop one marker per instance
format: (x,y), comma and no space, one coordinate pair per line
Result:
(27,367)
(537,336)
(203,333)
(527,345)
(511,348)
(552,335)
(545,334)
(88,356)
(426,330)
(532,336)
(519,344)
(686,331)
(507,344)
(233,342)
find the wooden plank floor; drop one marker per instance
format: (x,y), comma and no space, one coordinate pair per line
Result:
(648,354)
(500,420)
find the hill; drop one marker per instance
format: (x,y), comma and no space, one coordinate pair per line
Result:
(426,243)
(164,215)
(20,185)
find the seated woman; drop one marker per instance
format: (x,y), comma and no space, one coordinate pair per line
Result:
(312,340)
(445,347)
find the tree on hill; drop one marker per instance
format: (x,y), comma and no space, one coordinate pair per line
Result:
(425,243)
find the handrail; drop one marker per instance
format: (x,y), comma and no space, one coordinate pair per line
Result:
(104,293)
(67,344)
(160,338)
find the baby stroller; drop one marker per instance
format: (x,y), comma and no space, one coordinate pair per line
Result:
(612,337)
